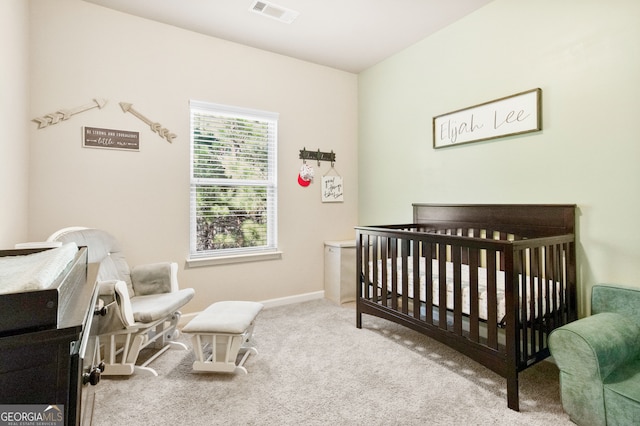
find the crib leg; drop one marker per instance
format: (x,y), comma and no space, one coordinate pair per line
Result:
(513,401)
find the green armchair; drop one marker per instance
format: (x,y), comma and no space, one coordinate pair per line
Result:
(599,359)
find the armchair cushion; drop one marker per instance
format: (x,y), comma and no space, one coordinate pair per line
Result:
(152,307)
(154,278)
(621,394)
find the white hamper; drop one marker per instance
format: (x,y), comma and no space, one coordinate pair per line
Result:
(340,271)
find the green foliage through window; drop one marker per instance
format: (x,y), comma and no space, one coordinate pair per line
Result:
(233,187)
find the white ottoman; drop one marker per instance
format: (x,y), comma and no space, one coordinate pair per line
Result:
(220,333)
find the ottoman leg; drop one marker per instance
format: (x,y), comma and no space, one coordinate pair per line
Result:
(224,352)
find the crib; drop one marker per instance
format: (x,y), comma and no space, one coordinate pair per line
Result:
(502,277)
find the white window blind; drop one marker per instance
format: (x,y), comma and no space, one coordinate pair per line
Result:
(233,180)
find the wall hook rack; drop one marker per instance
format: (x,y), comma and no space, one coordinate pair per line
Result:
(318,156)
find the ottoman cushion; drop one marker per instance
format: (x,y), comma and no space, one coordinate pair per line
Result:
(233,317)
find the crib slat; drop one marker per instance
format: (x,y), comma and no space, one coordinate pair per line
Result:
(456,258)
(384,273)
(567,302)
(363,285)
(570,283)
(492,301)
(442,286)
(540,300)
(550,295)
(394,272)
(417,297)
(404,282)
(502,236)
(373,260)
(556,252)
(429,255)
(474,318)
(557,285)
(560,316)
(522,303)
(533,299)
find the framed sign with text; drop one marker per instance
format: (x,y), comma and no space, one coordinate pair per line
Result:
(512,115)
(94,137)
(332,189)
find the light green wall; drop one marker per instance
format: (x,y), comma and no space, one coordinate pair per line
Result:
(583,54)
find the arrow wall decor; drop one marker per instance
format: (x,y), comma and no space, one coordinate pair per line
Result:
(65,114)
(156,127)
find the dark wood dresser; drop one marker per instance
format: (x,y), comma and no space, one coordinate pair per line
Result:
(48,353)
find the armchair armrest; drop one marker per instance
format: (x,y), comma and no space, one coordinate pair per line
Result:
(119,315)
(155,278)
(595,346)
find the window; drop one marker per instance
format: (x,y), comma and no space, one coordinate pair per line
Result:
(233,181)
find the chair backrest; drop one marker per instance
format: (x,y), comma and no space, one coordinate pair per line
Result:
(102,248)
(615,298)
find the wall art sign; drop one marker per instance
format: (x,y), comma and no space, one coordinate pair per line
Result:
(332,189)
(94,137)
(512,115)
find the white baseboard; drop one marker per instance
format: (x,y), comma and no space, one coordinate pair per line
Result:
(271,303)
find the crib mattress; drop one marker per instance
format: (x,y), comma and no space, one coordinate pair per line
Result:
(465,287)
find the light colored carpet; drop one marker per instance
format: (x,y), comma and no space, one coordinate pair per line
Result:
(315,367)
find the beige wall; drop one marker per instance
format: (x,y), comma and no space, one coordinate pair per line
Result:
(14,143)
(583,55)
(81,51)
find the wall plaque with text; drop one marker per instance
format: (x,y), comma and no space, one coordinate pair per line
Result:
(94,137)
(513,115)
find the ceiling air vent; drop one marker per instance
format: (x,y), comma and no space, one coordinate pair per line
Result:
(274,11)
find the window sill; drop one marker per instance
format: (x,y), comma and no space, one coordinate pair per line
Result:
(227,260)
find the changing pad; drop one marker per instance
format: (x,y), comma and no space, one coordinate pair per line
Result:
(34,271)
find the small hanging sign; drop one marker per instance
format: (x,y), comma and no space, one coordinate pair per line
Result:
(332,189)
(94,137)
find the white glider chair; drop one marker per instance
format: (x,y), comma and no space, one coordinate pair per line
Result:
(142,302)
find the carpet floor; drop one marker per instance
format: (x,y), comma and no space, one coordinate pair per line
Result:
(314,367)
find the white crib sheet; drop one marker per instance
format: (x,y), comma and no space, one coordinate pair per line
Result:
(466,299)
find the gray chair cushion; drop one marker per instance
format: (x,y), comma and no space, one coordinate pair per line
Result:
(156,306)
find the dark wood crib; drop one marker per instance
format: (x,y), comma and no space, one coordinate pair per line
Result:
(502,277)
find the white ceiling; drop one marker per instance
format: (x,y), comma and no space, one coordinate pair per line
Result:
(349,35)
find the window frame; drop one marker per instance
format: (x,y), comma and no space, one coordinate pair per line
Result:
(234,255)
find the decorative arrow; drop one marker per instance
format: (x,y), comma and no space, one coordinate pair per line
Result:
(156,127)
(65,114)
